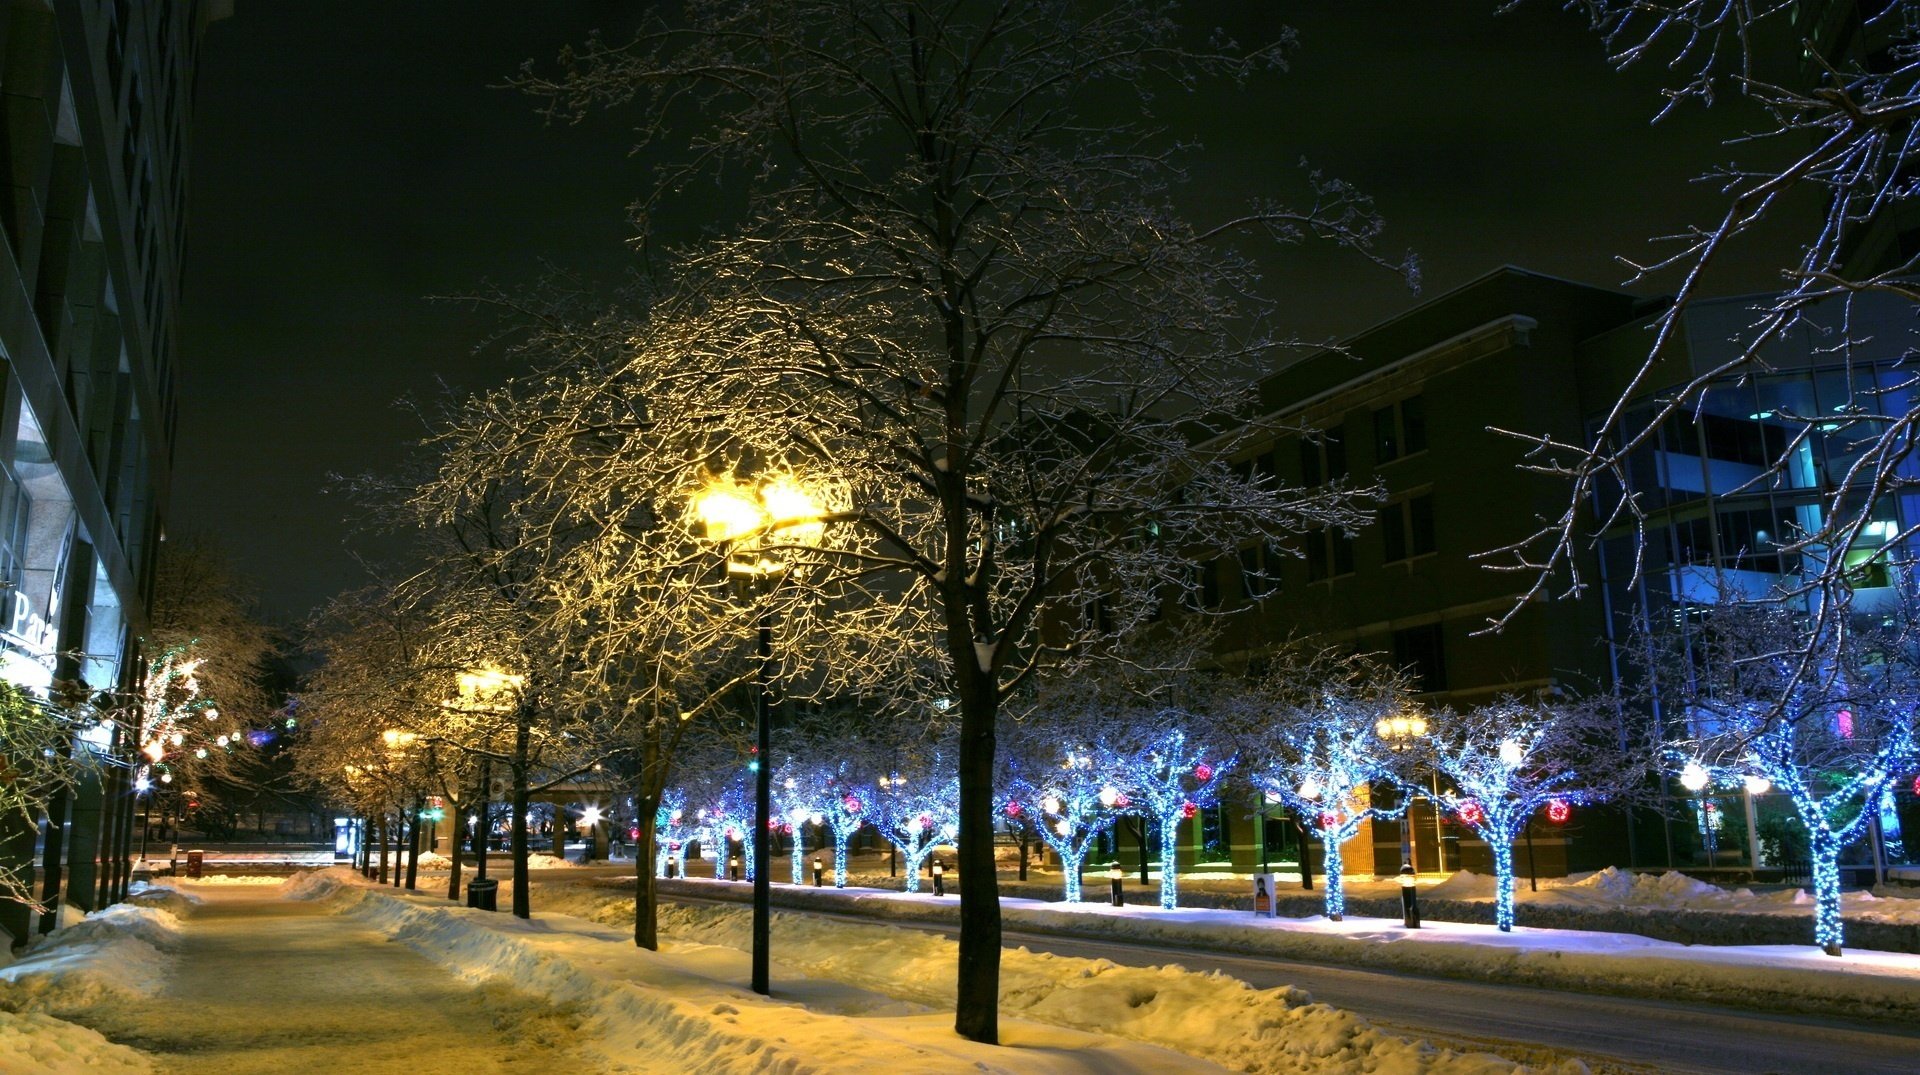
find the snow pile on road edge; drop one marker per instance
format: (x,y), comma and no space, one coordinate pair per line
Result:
(119,955)
(653,1012)
(39,1043)
(1214,1016)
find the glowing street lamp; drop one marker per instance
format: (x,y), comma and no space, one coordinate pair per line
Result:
(751,524)
(483,689)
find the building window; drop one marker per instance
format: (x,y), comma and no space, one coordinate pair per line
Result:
(1406,528)
(1420,651)
(1329,554)
(1400,429)
(1323,459)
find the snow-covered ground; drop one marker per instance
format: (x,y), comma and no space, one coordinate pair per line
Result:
(1796,978)
(1613,889)
(1211,1015)
(877,996)
(118,956)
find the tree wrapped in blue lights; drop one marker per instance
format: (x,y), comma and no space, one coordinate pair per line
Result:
(674,833)
(918,810)
(1070,796)
(1818,707)
(1323,754)
(797,802)
(1512,760)
(1170,779)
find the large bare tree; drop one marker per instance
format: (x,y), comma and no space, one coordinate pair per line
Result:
(946,276)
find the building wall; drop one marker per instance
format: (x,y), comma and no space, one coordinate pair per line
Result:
(95,111)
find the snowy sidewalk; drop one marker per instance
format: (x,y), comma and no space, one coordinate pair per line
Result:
(261,984)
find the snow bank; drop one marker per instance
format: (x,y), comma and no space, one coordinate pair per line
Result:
(39,1043)
(120,953)
(1210,1015)
(686,1010)
(221,879)
(1792,978)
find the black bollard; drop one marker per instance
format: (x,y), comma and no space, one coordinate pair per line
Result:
(1114,877)
(939,879)
(1409,899)
(816,871)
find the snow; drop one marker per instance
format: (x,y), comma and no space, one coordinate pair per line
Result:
(1772,977)
(218,880)
(1614,889)
(39,1043)
(1203,1015)
(685,1009)
(115,956)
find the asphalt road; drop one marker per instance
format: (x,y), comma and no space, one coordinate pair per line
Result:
(1620,1033)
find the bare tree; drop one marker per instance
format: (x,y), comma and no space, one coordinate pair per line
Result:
(954,284)
(1831,106)
(1831,735)
(1514,759)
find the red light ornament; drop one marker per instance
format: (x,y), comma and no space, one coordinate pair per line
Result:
(1470,812)
(1203,772)
(1013,809)
(1189,810)
(852,804)
(1558,811)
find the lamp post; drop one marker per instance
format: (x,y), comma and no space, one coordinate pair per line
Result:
(1402,732)
(750,523)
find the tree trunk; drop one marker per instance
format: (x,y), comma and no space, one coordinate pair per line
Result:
(1828,926)
(1335,871)
(483,812)
(1140,833)
(1169,863)
(413,842)
(977,999)
(1024,844)
(522,742)
(646,891)
(454,849)
(383,847)
(1502,883)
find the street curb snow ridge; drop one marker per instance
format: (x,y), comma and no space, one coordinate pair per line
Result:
(1797,979)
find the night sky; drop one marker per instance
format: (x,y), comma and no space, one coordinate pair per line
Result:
(351,161)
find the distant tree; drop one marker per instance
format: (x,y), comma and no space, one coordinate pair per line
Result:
(1313,732)
(963,294)
(1068,784)
(1511,760)
(1829,721)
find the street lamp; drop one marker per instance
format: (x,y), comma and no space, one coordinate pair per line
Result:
(483,689)
(751,523)
(1695,778)
(1401,733)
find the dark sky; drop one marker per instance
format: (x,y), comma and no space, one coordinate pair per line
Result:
(351,160)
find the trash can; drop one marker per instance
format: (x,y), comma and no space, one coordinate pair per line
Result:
(484,894)
(195,860)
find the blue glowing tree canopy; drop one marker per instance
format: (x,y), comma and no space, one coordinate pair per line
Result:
(1512,761)
(1070,793)
(1323,758)
(917,809)
(1818,708)
(1171,777)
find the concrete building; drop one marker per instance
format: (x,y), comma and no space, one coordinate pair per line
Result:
(1416,404)
(94,119)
